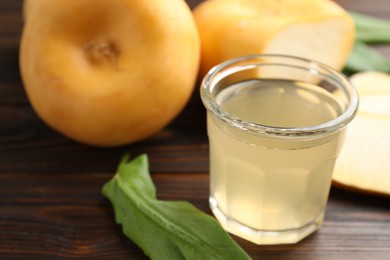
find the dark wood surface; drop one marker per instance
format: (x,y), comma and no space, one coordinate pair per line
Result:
(51,206)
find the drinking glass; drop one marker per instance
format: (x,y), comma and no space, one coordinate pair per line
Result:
(275,125)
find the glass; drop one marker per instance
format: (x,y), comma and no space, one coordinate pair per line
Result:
(275,125)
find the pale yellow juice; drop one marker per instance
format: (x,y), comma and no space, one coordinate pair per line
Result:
(262,184)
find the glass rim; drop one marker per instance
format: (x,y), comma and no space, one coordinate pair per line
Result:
(313,67)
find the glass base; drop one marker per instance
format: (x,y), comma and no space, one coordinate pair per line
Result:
(265,237)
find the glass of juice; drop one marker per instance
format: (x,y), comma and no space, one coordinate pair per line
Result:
(275,125)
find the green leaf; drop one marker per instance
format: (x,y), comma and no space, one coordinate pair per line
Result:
(164,229)
(364,58)
(370,29)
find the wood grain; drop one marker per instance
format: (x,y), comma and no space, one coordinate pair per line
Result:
(51,206)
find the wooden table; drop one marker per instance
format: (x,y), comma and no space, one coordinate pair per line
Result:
(51,206)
